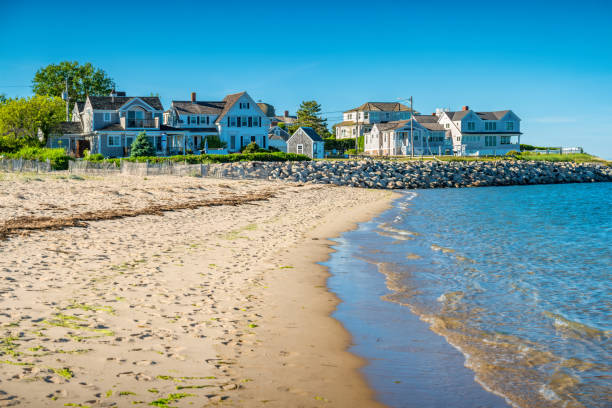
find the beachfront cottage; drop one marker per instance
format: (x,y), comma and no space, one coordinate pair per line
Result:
(278,137)
(236,121)
(69,136)
(306,141)
(481,133)
(359,121)
(109,124)
(397,137)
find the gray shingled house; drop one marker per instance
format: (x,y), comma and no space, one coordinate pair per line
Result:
(109,124)
(306,141)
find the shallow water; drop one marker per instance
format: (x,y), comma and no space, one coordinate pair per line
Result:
(518,279)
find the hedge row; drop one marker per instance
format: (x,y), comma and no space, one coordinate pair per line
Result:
(211,158)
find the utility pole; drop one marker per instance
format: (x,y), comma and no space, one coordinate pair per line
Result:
(67,99)
(411,135)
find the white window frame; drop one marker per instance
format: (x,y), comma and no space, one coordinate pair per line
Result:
(110,137)
(509,125)
(106,117)
(299,149)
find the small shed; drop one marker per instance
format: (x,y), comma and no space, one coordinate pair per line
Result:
(306,141)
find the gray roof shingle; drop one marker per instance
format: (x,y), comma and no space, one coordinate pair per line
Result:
(108,103)
(495,115)
(69,128)
(199,107)
(381,106)
(311,133)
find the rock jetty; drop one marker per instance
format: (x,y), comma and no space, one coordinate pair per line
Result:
(418,174)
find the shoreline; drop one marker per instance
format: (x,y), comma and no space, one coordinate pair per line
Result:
(333,358)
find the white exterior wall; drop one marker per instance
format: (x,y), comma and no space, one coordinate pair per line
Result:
(475,143)
(259,132)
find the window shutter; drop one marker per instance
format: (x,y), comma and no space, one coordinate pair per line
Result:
(188,120)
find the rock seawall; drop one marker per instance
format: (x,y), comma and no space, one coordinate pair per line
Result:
(425,174)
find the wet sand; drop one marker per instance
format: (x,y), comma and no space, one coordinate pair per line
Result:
(189,292)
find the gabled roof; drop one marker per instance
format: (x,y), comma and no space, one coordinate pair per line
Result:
(310,132)
(199,107)
(108,103)
(495,115)
(426,118)
(284,135)
(433,126)
(396,124)
(286,119)
(230,101)
(345,123)
(68,128)
(381,106)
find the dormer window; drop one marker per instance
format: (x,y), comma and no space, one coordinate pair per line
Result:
(490,125)
(244,105)
(509,125)
(471,126)
(107,116)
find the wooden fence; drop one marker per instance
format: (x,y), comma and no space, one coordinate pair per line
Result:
(22,165)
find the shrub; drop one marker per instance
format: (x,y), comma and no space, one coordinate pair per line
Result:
(94,157)
(214,142)
(251,148)
(9,144)
(57,157)
(351,151)
(339,144)
(513,153)
(142,147)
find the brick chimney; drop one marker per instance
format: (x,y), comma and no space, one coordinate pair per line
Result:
(286,113)
(193,97)
(466,108)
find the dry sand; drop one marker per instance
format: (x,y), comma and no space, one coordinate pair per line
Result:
(221,302)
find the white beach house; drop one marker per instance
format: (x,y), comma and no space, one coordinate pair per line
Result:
(358,121)
(481,133)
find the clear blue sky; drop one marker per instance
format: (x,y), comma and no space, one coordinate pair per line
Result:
(550,62)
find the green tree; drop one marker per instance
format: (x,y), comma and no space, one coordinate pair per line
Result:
(22,118)
(83,80)
(141,147)
(309,114)
(2,98)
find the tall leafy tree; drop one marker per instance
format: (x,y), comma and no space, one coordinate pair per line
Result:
(83,80)
(2,98)
(21,118)
(309,114)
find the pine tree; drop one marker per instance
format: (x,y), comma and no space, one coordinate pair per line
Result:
(142,147)
(309,115)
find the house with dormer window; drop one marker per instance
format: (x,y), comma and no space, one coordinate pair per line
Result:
(421,135)
(482,133)
(109,124)
(359,121)
(237,120)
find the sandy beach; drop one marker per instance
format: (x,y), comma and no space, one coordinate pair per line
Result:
(168,291)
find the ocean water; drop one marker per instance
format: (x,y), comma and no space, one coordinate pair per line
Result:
(484,297)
